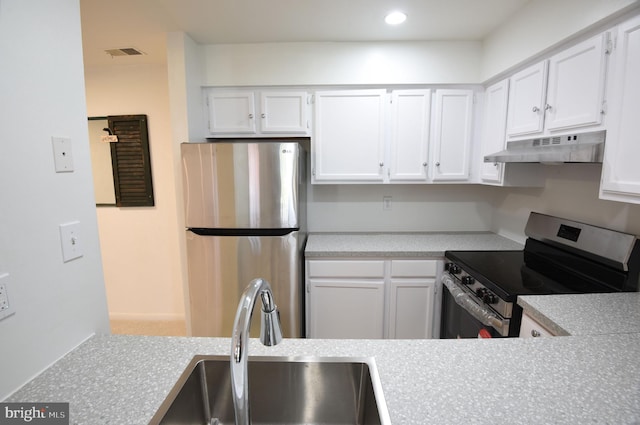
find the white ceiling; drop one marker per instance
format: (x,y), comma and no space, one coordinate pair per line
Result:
(144,23)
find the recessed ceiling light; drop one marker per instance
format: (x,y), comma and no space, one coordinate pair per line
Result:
(395,18)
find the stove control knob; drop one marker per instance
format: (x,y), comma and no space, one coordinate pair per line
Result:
(480,292)
(489,298)
(453,268)
(467,280)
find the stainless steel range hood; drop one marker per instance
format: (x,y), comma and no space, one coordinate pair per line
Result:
(585,147)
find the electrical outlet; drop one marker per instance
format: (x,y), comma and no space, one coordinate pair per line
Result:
(70,237)
(386,203)
(62,156)
(6,308)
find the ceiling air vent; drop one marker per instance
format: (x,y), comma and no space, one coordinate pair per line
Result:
(125,51)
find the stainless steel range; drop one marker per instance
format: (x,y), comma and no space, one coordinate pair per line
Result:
(560,257)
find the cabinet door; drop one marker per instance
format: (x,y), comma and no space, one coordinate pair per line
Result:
(452,134)
(411,304)
(231,112)
(346,308)
(620,171)
(576,85)
(526,100)
(529,328)
(411,112)
(283,112)
(349,136)
(494,135)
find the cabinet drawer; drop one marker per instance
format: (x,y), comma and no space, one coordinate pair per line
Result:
(342,268)
(414,268)
(530,328)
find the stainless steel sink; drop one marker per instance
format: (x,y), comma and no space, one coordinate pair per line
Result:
(282,390)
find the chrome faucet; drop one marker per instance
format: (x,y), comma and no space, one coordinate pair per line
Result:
(270,334)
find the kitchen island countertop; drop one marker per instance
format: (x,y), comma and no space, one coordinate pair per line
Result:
(403,244)
(587,379)
(585,314)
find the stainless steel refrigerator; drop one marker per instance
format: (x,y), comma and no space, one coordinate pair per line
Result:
(245,214)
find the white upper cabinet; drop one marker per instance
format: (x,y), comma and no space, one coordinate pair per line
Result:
(369,136)
(620,171)
(409,142)
(284,112)
(526,100)
(494,139)
(494,129)
(565,92)
(576,85)
(237,112)
(231,112)
(452,129)
(349,136)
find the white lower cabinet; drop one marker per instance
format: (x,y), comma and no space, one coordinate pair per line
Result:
(411,308)
(530,328)
(346,308)
(371,299)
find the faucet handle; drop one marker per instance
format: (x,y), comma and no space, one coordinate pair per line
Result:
(270,328)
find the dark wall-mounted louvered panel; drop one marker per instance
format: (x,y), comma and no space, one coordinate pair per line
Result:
(131,161)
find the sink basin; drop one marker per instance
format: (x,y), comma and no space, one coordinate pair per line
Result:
(282,390)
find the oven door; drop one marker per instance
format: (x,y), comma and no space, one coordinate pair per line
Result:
(464,317)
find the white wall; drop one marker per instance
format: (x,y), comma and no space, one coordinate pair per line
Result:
(541,25)
(58,305)
(185,66)
(356,208)
(422,208)
(571,191)
(436,62)
(140,246)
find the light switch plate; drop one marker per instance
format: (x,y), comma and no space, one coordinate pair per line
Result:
(70,237)
(62,155)
(6,308)
(387,203)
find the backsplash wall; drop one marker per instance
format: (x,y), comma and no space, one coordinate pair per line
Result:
(417,208)
(571,191)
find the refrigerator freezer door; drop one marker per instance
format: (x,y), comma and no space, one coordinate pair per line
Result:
(221,267)
(242,185)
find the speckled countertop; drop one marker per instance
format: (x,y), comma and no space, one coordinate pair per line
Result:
(585,314)
(402,244)
(589,379)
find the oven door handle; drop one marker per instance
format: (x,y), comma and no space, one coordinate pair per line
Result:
(464,300)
